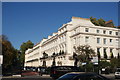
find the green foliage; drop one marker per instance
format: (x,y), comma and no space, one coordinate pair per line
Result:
(10,55)
(84,52)
(23,48)
(114,62)
(94,21)
(101,22)
(104,64)
(26,45)
(89,67)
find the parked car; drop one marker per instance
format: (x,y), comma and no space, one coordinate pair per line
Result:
(82,76)
(117,73)
(58,71)
(43,70)
(28,73)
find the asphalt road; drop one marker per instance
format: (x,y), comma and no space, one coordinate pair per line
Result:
(110,76)
(46,77)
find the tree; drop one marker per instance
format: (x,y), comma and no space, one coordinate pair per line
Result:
(10,55)
(23,48)
(113,62)
(85,52)
(101,22)
(26,45)
(104,64)
(94,21)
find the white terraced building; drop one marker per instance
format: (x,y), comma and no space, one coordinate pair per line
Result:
(79,31)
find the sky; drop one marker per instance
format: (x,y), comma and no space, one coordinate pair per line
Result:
(23,21)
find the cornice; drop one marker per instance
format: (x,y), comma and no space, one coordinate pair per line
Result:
(86,33)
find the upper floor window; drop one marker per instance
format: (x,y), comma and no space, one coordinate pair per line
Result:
(116,33)
(75,31)
(110,40)
(98,31)
(110,32)
(104,40)
(74,40)
(98,40)
(104,31)
(117,40)
(86,39)
(86,29)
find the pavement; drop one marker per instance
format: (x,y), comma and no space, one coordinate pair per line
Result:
(18,77)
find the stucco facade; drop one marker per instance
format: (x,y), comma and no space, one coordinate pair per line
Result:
(79,31)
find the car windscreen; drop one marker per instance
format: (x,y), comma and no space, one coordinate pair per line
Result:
(67,77)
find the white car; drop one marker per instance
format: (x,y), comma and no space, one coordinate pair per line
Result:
(117,73)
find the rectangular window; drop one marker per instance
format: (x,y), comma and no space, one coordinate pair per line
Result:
(86,39)
(111,50)
(98,50)
(104,40)
(110,32)
(104,50)
(98,40)
(86,29)
(74,40)
(116,40)
(74,31)
(110,40)
(98,31)
(116,33)
(104,31)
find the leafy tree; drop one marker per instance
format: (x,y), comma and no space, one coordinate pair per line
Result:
(114,62)
(103,64)
(85,52)
(101,22)
(10,55)
(26,45)
(94,21)
(23,48)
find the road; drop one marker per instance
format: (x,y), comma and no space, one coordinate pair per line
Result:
(110,76)
(47,77)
